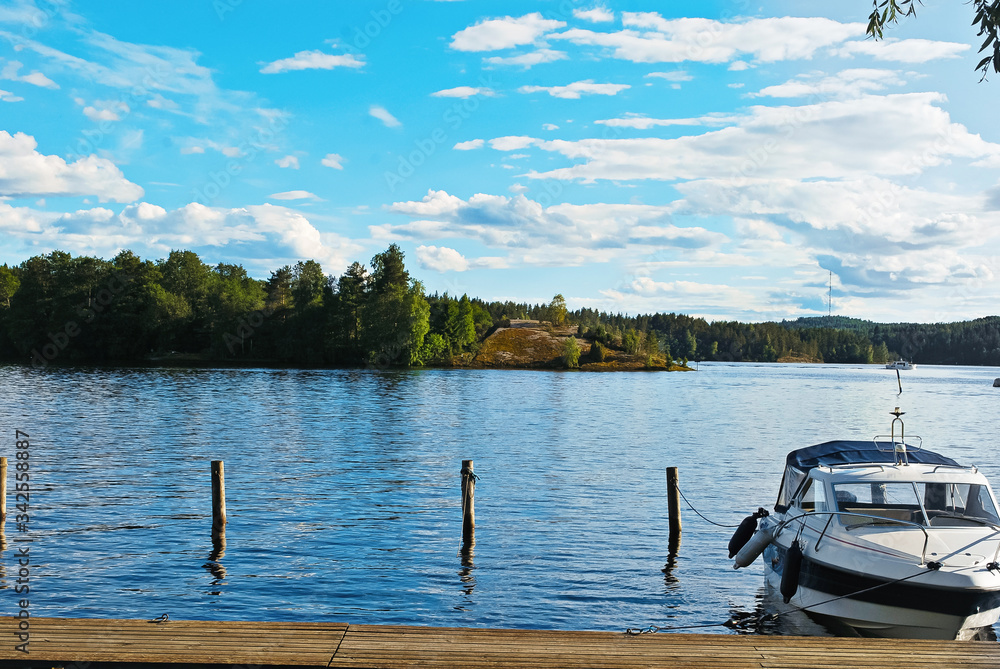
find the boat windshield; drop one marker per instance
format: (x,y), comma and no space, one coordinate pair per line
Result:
(933,504)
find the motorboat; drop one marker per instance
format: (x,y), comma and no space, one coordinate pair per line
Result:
(900,364)
(882,536)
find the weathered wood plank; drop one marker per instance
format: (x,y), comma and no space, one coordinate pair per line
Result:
(390,647)
(180,641)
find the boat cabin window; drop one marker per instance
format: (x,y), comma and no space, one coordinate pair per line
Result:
(895,501)
(790,483)
(956,504)
(813,497)
(936,504)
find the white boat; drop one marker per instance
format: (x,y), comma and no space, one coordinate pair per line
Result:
(900,364)
(882,536)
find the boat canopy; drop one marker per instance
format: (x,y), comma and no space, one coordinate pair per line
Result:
(832,453)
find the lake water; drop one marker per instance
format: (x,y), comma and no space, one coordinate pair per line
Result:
(343,486)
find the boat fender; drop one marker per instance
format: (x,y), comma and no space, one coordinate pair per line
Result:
(743,533)
(790,573)
(758,542)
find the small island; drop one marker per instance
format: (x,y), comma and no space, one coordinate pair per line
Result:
(532,344)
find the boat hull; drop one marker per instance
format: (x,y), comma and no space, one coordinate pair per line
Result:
(892,609)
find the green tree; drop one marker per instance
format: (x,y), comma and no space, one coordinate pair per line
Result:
(186,276)
(631,342)
(351,288)
(435,350)
(389,271)
(233,297)
(396,316)
(9,283)
(466,324)
(557,310)
(307,284)
(571,353)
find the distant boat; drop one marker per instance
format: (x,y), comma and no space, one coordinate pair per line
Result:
(901,364)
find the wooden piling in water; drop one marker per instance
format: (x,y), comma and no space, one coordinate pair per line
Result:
(468,503)
(218,497)
(673,507)
(3,492)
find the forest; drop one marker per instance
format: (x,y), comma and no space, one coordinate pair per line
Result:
(57,308)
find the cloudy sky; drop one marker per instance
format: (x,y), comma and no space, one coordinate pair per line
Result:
(719,159)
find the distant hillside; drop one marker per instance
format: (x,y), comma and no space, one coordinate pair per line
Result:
(975,342)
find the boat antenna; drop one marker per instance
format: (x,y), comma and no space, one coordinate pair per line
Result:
(900,384)
(829,301)
(900,450)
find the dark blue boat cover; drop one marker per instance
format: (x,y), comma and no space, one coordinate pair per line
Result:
(848,452)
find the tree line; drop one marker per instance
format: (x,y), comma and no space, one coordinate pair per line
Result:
(60,308)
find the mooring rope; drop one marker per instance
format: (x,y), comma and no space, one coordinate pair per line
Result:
(699,512)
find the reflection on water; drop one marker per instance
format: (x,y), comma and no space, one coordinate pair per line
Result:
(770,615)
(466,574)
(214,564)
(342,488)
(669,577)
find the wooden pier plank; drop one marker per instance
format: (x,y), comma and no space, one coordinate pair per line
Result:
(177,641)
(344,646)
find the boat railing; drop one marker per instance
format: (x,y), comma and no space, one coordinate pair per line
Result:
(889,443)
(832,514)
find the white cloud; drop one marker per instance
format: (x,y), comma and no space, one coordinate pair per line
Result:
(7,96)
(334,160)
(166,79)
(469,145)
(464,92)
(259,237)
(549,126)
(900,134)
(845,84)
(551,236)
(576,89)
(287,162)
(878,236)
(675,76)
(36,78)
(528,60)
(293,195)
(106,110)
(313,60)
(596,15)
(444,259)
(26,173)
(903,51)
(649,38)
(380,112)
(644,122)
(512,143)
(441,259)
(503,33)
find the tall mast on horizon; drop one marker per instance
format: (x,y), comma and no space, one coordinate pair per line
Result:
(829,301)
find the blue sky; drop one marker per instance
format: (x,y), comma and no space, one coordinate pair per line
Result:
(719,159)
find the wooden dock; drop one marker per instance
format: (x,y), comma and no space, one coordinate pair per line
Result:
(60,641)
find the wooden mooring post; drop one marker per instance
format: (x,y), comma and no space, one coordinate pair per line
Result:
(468,503)
(3,493)
(218,497)
(673,508)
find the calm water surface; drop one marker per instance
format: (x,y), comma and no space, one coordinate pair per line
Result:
(343,486)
